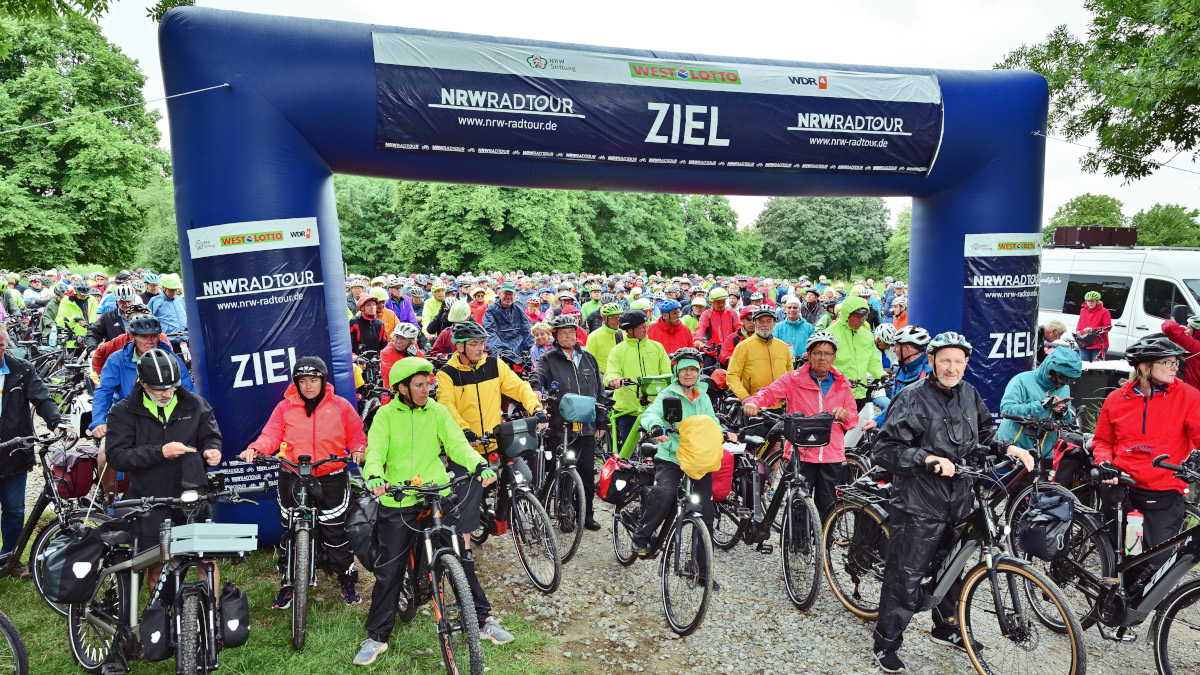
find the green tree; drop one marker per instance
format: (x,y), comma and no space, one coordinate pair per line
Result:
(1086,210)
(623,230)
(158,248)
(367,223)
(1132,81)
(897,247)
(712,242)
(822,235)
(67,189)
(1167,225)
(91,9)
(452,228)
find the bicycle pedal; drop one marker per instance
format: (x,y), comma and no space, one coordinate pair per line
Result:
(765,549)
(744,513)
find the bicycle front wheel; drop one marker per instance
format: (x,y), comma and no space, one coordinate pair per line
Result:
(535,543)
(855,549)
(301,561)
(800,543)
(37,566)
(189,652)
(1177,631)
(727,525)
(1001,632)
(687,567)
(13,658)
(566,506)
(89,644)
(454,612)
(625,523)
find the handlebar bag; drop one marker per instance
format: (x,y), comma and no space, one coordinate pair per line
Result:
(74,470)
(577,409)
(813,431)
(1043,530)
(235,615)
(361,516)
(72,565)
(652,388)
(517,437)
(155,632)
(701,446)
(1087,340)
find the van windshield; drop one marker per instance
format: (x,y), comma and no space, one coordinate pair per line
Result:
(1193,285)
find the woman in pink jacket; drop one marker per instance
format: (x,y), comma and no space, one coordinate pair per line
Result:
(815,387)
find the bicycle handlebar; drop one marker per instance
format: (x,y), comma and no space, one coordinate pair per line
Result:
(1190,475)
(277,460)
(30,440)
(425,488)
(144,504)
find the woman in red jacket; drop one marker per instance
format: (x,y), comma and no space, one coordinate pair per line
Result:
(815,387)
(1094,317)
(313,420)
(1152,414)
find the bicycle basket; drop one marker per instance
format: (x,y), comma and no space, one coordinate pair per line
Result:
(517,437)
(74,470)
(1043,530)
(577,409)
(813,431)
(1087,340)
(217,540)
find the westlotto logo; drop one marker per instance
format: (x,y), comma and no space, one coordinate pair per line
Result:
(682,74)
(255,238)
(1016,246)
(819,82)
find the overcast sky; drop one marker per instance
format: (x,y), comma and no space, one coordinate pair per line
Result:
(959,34)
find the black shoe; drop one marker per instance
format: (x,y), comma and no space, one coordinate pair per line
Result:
(889,662)
(591,524)
(952,637)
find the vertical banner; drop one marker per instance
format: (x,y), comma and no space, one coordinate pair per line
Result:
(262,282)
(1000,303)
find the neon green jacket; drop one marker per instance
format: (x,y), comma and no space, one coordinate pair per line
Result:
(429,312)
(857,355)
(633,359)
(68,309)
(691,321)
(405,442)
(600,343)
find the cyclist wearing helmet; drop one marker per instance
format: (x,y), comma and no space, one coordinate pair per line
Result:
(313,420)
(815,387)
(75,313)
(164,437)
(506,324)
(885,342)
(669,330)
(151,281)
(911,361)
(51,311)
(432,308)
(120,373)
(746,315)
(899,311)
(716,323)
(403,344)
(107,348)
(793,329)
(406,440)
(857,356)
(111,324)
(1154,413)
(932,424)
(602,340)
(635,356)
(593,320)
(367,333)
(37,295)
(594,302)
(1186,338)
(575,371)
(1024,395)
(1093,318)
(760,359)
(400,305)
(695,309)
(479,303)
(533,309)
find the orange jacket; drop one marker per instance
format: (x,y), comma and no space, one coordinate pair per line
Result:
(333,429)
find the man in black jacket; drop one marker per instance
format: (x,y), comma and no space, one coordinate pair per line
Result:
(576,372)
(164,437)
(20,391)
(111,324)
(931,425)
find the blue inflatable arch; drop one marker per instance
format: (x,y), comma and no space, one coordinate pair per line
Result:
(253,167)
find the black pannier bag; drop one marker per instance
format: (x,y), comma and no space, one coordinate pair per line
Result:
(1044,529)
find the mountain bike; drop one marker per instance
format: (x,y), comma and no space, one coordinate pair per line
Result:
(13,658)
(453,604)
(302,540)
(104,631)
(67,512)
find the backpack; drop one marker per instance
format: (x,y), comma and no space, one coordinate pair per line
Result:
(1044,528)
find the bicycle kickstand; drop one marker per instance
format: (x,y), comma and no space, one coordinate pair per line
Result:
(117,662)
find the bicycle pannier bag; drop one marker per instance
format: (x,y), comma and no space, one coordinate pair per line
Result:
(74,470)
(723,477)
(1043,530)
(360,530)
(577,409)
(620,480)
(155,632)
(813,431)
(72,564)
(235,615)
(517,437)
(700,446)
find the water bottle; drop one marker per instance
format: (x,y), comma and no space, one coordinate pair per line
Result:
(1133,533)
(54,335)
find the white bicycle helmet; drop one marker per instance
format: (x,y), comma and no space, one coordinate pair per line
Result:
(913,335)
(886,333)
(948,339)
(818,337)
(406,331)
(124,293)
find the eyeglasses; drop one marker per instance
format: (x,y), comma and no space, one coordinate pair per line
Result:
(822,355)
(1170,364)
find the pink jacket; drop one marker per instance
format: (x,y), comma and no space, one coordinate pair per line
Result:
(804,396)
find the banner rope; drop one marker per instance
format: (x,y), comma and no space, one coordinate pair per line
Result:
(120,107)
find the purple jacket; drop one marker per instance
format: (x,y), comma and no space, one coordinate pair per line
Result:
(404,311)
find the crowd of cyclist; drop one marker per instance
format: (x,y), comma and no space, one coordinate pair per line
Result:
(807,346)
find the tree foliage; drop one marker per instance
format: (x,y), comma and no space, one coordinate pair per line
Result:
(367,223)
(158,248)
(1133,81)
(620,230)
(1086,210)
(712,241)
(897,247)
(67,189)
(808,235)
(91,9)
(1167,225)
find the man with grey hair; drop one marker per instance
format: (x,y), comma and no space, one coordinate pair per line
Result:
(1051,332)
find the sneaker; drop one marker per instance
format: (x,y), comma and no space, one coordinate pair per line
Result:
(491,630)
(889,662)
(591,524)
(368,651)
(349,594)
(284,599)
(952,637)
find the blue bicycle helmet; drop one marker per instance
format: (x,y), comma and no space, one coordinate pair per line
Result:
(948,339)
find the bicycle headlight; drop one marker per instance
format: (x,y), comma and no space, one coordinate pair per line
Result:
(189,497)
(570,454)
(695,499)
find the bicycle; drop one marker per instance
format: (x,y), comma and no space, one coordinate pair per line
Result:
(67,512)
(560,489)
(301,541)
(453,604)
(647,388)
(13,657)
(856,535)
(103,631)
(685,571)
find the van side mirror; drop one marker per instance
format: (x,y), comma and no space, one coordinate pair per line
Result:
(1180,314)
(673,410)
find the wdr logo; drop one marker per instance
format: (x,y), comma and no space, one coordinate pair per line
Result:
(307,234)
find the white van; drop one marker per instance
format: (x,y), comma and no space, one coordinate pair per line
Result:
(1141,286)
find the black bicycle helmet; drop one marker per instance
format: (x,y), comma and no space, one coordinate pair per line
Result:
(467,330)
(145,324)
(563,321)
(60,289)
(135,309)
(606,298)
(81,288)
(311,366)
(631,319)
(687,353)
(158,369)
(1153,347)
